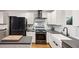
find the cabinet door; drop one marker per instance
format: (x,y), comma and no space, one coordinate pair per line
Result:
(2,34)
(44,14)
(60,17)
(50,40)
(56,17)
(75,14)
(1,17)
(33,36)
(5,18)
(50,18)
(48,37)
(30,18)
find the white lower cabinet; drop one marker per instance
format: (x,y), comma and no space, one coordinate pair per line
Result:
(57,42)
(54,43)
(2,34)
(33,36)
(48,37)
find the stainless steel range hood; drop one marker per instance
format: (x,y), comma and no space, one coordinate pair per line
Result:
(39,15)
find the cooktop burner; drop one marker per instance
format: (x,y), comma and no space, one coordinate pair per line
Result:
(40,31)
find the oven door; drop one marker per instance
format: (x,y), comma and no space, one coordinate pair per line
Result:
(40,38)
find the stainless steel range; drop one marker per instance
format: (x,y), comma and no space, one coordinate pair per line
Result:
(40,28)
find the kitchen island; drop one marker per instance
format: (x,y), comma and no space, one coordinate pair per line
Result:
(24,42)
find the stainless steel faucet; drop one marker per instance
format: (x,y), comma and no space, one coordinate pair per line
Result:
(66,31)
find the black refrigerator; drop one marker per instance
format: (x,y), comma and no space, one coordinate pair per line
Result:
(17,25)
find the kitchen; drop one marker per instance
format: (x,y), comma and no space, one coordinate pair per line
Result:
(57,28)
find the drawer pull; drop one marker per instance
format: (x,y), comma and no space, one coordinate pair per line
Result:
(55,43)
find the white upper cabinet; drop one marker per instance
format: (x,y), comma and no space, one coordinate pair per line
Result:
(51,17)
(75,14)
(60,17)
(68,13)
(1,18)
(30,17)
(56,17)
(44,14)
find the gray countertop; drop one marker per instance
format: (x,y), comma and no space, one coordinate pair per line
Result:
(23,40)
(54,32)
(74,43)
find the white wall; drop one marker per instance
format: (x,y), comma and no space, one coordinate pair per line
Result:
(30,16)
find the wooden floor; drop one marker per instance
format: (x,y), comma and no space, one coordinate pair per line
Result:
(40,46)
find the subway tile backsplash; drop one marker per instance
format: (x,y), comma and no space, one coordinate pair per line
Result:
(73,30)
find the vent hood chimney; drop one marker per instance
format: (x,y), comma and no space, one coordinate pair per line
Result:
(39,15)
